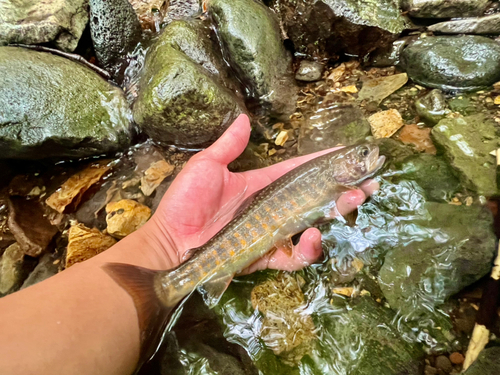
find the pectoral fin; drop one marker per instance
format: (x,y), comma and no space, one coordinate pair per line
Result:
(285,245)
(213,290)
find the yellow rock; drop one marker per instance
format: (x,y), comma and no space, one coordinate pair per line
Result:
(281,138)
(125,216)
(154,176)
(349,89)
(85,243)
(385,123)
(344,291)
(497,100)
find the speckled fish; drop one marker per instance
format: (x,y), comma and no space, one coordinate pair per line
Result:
(294,202)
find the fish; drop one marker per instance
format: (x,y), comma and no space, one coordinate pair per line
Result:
(268,219)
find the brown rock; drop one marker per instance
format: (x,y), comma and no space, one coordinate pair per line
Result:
(444,364)
(29,226)
(420,137)
(125,217)
(384,124)
(456,358)
(154,176)
(377,89)
(84,243)
(71,192)
(11,269)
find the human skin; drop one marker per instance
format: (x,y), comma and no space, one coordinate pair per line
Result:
(81,322)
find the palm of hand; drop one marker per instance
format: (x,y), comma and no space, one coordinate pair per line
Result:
(205,196)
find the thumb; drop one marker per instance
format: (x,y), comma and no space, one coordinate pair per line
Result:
(231,144)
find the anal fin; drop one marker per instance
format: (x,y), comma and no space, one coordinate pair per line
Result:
(213,290)
(285,245)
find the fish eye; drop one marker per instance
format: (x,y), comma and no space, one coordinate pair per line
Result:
(364,151)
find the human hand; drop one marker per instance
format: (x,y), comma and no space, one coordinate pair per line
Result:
(205,196)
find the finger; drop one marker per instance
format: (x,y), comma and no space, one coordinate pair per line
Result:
(231,144)
(277,170)
(349,201)
(306,252)
(369,186)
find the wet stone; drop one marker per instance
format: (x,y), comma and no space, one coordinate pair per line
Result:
(432,107)
(384,124)
(125,217)
(488,362)
(114,28)
(309,71)
(377,89)
(154,176)
(389,55)
(185,95)
(251,39)
(480,25)
(419,137)
(40,21)
(467,143)
(444,8)
(47,266)
(444,364)
(456,358)
(54,107)
(85,243)
(465,63)
(13,269)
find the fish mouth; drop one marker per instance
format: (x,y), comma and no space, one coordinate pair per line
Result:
(374,161)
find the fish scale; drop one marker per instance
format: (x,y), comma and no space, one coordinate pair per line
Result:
(289,205)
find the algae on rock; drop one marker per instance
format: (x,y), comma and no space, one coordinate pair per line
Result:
(53,107)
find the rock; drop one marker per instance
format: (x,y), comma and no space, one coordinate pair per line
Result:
(444,8)
(325,28)
(152,12)
(388,55)
(309,71)
(480,25)
(115,29)
(154,176)
(457,358)
(287,329)
(60,22)
(330,125)
(432,107)
(71,192)
(13,269)
(488,362)
(30,227)
(184,95)
(250,35)
(443,363)
(464,63)
(53,107)
(47,266)
(125,217)
(456,251)
(377,89)
(85,243)
(384,124)
(430,172)
(429,370)
(181,9)
(467,143)
(417,136)
(463,105)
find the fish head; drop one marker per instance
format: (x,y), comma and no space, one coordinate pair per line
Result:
(356,163)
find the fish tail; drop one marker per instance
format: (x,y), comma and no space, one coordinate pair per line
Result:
(153,315)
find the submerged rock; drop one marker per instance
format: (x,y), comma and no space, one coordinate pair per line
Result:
(154,176)
(85,243)
(323,28)
(385,123)
(330,125)
(432,107)
(377,89)
(465,62)
(47,266)
(114,28)
(480,25)
(252,42)
(13,269)
(388,55)
(488,362)
(444,8)
(40,21)
(309,71)
(125,217)
(417,136)
(184,95)
(53,107)
(467,143)
(456,250)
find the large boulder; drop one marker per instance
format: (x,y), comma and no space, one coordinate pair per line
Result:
(454,251)
(475,25)
(185,95)
(115,29)
(466,62)
(324,28)
(444,8)
(60,22)
(467,143)
(53,107)
(251,38)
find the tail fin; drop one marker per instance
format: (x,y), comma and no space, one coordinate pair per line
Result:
(153,315)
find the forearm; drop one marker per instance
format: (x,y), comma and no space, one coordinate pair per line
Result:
(79,321)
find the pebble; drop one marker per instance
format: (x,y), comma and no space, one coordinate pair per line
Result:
(384,124)
(429,370)
(309,71)
(497,100)
(125,217)
(443,363)
(456,358)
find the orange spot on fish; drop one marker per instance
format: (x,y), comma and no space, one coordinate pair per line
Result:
(231,252)
(217,262)
(243,242)
(294,204)
(254,233)
(265,226)
(236,235)
(215,253)
(257,217)
(267,208)
(248,225)
(275,217)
